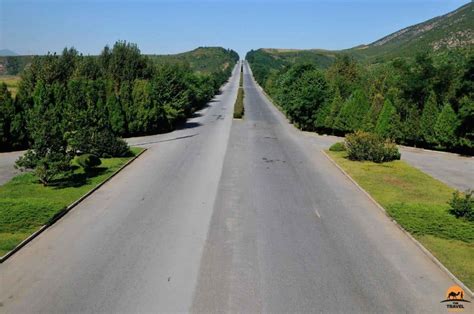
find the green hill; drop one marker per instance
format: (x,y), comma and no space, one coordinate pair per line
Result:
(202,59)
(452,31)
(449,31)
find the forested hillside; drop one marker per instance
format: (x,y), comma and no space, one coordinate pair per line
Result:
(452,31)
(442,33)
(76,101)
(203,59)
(424,101)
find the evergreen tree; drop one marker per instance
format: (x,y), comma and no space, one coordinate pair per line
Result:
(445,127)
(321,115)
(116,115)
(388,123)
(465,131)
(351,116)
(49,154)
(410,127)
(370,119)
(428,119)
(6,116)
(335,107)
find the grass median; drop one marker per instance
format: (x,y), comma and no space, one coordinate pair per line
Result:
(26,205)
(418,203)
(239,102)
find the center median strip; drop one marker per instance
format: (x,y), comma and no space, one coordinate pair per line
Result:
(58,215)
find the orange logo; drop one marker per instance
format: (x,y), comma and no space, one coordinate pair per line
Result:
(455,298)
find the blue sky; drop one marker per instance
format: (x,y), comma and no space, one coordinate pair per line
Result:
(39,26)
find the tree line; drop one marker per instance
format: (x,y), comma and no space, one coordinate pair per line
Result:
(425,101)
(124,91)
(70,104)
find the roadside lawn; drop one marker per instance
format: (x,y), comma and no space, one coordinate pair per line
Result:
(418,203)
(26,205)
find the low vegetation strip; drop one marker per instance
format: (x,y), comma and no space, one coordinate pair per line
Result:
(419,203)
(25,205)
(239,102)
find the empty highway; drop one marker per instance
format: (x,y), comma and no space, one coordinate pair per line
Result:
(220,216)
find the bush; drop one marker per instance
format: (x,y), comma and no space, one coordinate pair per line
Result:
(106,145)
(48,167)
(88,161)
(338,147)
(368,146)
(462,207)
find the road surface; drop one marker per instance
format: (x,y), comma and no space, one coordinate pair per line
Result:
(224,216)
(7,165)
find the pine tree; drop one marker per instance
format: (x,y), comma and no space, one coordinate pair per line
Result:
(116,115)
(335,107)
(428,119)
(445,127)
(370,119)
(351,116)
(6,116)
(49,154)
(388,123)
(322,115)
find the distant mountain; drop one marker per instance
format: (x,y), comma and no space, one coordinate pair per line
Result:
(449,31)
(7,53)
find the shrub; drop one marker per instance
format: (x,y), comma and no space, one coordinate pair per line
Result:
(462,207)
(88,161)
(48,167)
(106,145)
(368,146)
(338,147)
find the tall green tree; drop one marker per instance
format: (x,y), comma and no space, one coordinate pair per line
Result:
(48,154)
(336,105)
(370,119)
(429,118)
(445,127)
(352,114)
(6,115)
(388,123)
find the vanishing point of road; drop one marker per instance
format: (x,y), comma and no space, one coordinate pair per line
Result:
(224,215)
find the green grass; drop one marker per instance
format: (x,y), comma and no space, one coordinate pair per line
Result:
(418,203)
(239,102)
(26,205)
(12,82)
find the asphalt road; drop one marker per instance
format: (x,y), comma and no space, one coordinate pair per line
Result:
(224,216)
(290,233)
(7,165)
(135,245)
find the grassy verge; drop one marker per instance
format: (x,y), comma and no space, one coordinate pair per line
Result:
(239,102)
(418,203)
(26,205)
(12,82)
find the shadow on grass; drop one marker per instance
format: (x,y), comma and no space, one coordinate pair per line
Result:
(78,179)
